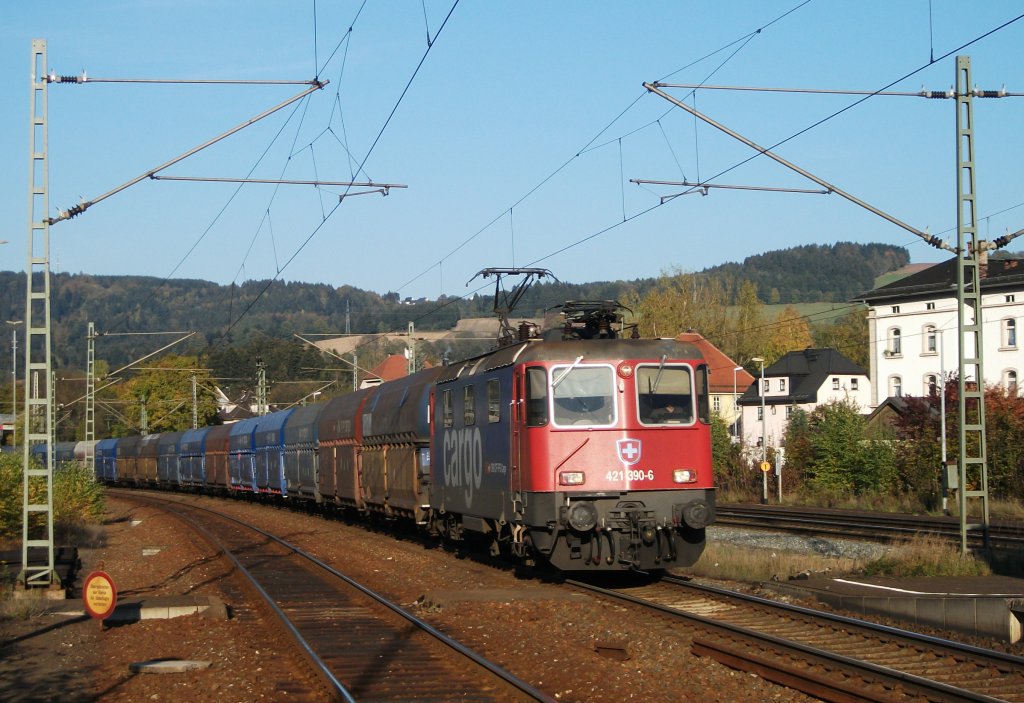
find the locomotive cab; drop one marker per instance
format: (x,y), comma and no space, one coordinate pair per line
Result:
(591,455)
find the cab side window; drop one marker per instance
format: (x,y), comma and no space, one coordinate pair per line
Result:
(536,397)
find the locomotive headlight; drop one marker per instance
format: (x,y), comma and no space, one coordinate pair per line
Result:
(571,478)
(684,476)
(625,370)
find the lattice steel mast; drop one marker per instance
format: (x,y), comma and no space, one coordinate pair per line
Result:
(37,494)
(970,257)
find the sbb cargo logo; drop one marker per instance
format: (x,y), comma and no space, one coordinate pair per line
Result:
(629,450)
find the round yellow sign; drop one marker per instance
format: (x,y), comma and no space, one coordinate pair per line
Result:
(766,466)
(99,595)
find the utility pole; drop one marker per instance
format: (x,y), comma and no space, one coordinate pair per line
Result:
(261,386)
(195,403)
(37,564)
(143,415)
(411,366)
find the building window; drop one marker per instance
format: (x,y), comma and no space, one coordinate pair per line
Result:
(929,306)
(1009,333)
(895,386)
(766,385)
(493,401)
(835,384)
(717,403)
(760,441)
(468,405)
(895,342)
(760,413)
(789,411)
(1010,381)
(782,385)
(930,339)
(895,309)
(853,384)
(931,385)
(1009,298)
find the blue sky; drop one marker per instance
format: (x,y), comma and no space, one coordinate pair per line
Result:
(517,135)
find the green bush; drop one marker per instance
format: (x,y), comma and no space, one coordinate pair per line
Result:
(77,499)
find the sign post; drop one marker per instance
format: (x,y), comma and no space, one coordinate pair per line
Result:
(99,595)
(766,466)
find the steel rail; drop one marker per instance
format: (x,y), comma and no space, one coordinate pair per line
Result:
(800,678)
(865,525)
(319,666)
(954,648)
(497,671)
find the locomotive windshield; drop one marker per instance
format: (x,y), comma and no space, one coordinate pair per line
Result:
(585,395)
(664,394)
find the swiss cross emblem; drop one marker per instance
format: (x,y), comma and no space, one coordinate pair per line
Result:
(629,450)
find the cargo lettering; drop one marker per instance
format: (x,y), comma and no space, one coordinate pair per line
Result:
(463,460)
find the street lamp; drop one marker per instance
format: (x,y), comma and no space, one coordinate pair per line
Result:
(735,412)
(764,435)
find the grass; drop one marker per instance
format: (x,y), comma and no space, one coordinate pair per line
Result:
(732,562)
(919,556)
(926,556)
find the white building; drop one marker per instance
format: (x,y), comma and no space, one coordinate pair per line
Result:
(912,326)
(802,379)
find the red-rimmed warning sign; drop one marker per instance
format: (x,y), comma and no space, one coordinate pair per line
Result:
(99,595)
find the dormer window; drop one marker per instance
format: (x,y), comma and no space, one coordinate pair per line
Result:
(782,385)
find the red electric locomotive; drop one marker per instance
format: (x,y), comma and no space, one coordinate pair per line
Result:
(592,453)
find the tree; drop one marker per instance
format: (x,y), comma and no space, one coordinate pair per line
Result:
(732,474)
(848,334)
(165,389)
(836,432)
(684,301)
(799,451)
(789,332)
(748,339)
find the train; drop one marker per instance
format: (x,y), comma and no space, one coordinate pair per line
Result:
(587,451)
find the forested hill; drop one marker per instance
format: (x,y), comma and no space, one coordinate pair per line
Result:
(233,314)
(816,273)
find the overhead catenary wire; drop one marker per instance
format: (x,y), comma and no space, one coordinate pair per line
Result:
(823,120)
(741,41)
(369,152)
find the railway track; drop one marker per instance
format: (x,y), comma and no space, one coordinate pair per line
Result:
(358,644)
(828,656)
(1003,534)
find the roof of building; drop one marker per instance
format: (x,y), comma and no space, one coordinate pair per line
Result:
(940,281)
(721,378)
(806,371)
(892,406)
(394,367)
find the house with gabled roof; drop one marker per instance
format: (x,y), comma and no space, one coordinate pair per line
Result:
(800,379)
(726,379)
(913,336)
